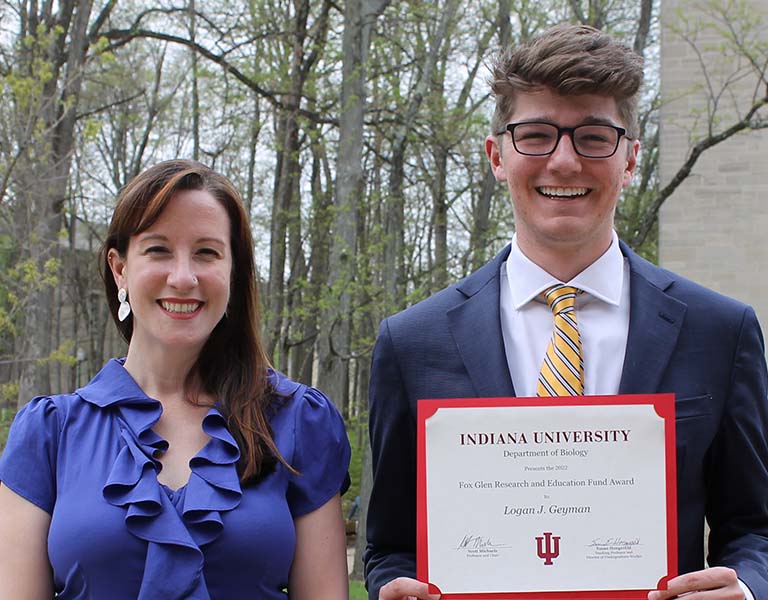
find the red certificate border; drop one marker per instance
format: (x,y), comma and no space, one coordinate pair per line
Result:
(664,405)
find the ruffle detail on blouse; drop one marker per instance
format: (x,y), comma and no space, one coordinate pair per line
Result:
(213,486)
(174,563)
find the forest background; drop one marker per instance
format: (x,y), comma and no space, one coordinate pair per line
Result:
(353,128)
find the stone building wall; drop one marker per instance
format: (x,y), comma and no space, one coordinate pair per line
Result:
(713,229)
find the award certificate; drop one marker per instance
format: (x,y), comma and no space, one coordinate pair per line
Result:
(547,497)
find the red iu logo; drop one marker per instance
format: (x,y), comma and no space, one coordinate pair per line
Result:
(548,549)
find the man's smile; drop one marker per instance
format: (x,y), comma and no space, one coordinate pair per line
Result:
(563,192)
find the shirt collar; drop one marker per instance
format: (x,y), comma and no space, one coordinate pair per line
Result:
(603,279)
(113,385)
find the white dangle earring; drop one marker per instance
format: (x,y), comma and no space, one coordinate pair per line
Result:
(125,309)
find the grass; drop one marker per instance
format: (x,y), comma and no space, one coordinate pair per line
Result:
(357,591)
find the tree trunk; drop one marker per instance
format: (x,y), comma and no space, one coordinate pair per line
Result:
(480,236)
(322,202)
(195,93)
(440,217)
(44,186)
(286,211)
(253,138)
(284,197)
(334,337)
(394,246)
(366,483)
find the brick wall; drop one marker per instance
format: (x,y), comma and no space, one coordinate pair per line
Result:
(714,227)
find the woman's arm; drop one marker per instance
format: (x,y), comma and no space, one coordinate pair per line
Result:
(319,570)
(24,568)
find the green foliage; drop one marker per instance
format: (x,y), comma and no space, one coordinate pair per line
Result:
(9,392)
(64,354)
(7,324)
(19,282)
(357,591)
(33,70)
(356,430)
(6,418)
(90,129)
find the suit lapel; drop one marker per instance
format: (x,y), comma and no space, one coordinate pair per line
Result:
(476,328)
(655,319)
(654,325)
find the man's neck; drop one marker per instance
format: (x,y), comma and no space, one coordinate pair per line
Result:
(563,262)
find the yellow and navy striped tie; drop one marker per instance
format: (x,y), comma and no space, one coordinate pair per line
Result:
(562,373)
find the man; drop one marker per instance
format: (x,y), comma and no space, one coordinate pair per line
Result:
(564,142)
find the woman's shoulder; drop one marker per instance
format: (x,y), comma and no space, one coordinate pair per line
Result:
(51,408)
(29,460)
(298,397)
(282,386)
(312,437)
(47,420)
(105,389)
(304,412)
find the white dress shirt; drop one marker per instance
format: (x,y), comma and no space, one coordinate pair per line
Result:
(602,313)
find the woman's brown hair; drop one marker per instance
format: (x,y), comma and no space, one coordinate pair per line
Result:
(232,366)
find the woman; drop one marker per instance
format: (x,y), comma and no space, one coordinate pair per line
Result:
(189,469)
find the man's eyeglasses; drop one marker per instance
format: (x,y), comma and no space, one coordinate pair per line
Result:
(541,139)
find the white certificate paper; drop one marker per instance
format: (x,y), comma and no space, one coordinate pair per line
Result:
(547,498)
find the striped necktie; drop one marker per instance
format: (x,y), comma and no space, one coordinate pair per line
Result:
(562,373)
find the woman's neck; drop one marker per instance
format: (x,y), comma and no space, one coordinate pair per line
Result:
(161,375)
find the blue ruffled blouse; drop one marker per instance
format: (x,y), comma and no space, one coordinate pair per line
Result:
(87,459)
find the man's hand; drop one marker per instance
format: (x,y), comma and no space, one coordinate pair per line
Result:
(405,588)
(717,583)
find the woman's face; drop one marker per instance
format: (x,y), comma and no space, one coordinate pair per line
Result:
(177,274)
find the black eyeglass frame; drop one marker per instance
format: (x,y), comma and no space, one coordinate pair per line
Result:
(510,127)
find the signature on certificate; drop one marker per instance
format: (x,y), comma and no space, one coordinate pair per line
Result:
(614,541)
(478,542)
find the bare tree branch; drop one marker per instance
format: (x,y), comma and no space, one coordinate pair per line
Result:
(98,23)
(643,26)
(577,12)
(684,171)
(104,107)
(121,37)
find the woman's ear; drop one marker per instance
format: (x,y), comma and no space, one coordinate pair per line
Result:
(117,266)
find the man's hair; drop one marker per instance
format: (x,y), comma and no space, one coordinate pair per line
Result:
(569,59)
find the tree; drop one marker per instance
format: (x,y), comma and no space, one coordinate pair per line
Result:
(46,78)
(335,325)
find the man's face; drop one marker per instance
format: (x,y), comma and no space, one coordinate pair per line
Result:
(563,202)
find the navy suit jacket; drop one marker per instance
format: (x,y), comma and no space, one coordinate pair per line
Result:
(683,338)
